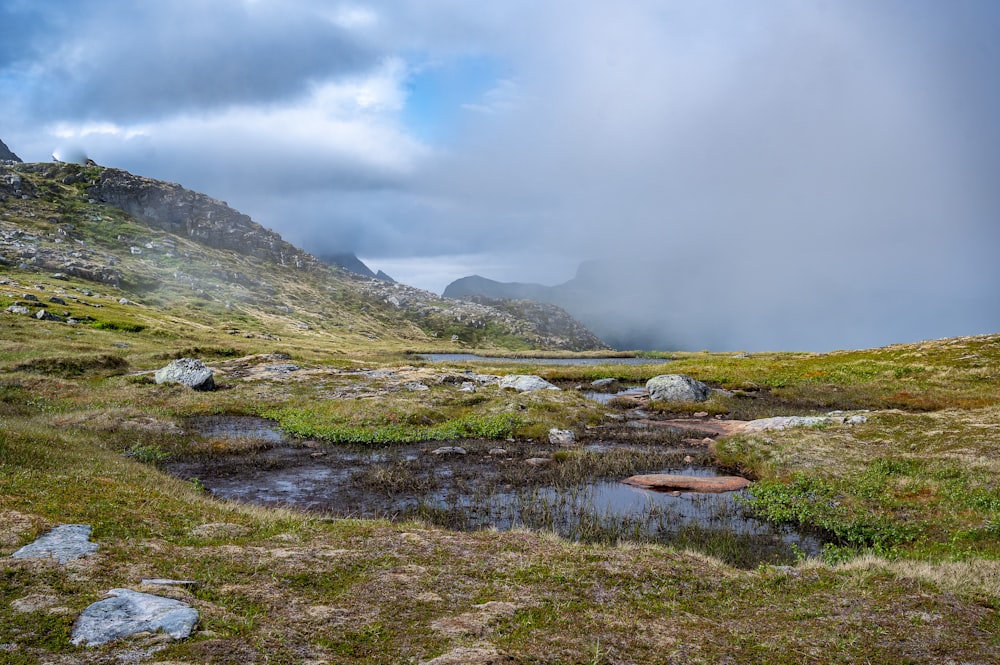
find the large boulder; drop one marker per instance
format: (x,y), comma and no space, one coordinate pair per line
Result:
(187,371)
(677,388)
(129,612)
(526,383)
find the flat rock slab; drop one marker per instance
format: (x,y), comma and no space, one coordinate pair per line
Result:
(668,482)
(526,383)
(63,543)
(129,612)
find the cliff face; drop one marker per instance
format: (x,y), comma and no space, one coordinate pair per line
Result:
(201,218)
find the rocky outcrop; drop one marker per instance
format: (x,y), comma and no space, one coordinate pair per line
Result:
(187,371)
(6,155)
(677,388)
(172,208)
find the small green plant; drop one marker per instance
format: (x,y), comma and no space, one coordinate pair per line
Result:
(148,453)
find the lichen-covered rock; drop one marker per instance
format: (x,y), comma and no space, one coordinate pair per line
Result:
(187,371)
(63,543)
(561,437)
(526,383)
(129,612)
(677,388)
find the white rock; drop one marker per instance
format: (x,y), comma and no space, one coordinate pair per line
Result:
(63,543)
(129,612)
(526,383)
(561,437)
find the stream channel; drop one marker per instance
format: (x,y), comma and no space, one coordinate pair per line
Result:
(575,492)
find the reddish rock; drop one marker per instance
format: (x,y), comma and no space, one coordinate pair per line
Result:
(667,481)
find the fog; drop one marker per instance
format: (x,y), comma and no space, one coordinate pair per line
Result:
(775,175)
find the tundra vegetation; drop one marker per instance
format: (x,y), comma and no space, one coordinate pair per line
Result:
(908,502)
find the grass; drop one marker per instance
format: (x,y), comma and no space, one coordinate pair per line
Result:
(910,498)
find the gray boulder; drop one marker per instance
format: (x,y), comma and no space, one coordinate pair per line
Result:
(46,315)
(562,437)
(18,309)
(63,543)
(677,388)
(129,612)
(526,383)
(187,371)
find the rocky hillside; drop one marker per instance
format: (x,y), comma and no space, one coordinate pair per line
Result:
(165,246)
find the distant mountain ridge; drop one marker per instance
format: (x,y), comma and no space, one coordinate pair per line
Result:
(350,261)
(599,296)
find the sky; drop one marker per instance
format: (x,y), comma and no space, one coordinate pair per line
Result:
(780,174)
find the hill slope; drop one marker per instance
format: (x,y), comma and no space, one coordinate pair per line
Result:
(173,249)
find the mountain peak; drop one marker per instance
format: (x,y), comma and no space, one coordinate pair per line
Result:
(6,155)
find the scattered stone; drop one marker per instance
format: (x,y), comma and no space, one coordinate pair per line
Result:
(18,309)
(677,388)
(701,414)
(187,371)
(525,383)
(467,387)
(56,300)
(606,384)
(46,315)
(498,452)
(162,581)
(59,275)
(63,543)
(415,386)
(125,301)
(450,450)
(669,481)
(537,461)
(129,612)
(28,296)
(562,437)
(779,423)
(856,420)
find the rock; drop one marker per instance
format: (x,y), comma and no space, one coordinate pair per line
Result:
(450,450)
(28,296)
(677,388)
(129,612)
(605,384)
(56,300)
(498,452)
(415,386)
(779,423)
(667,481)
(125,301)
(63,543)
(562,437)
(525,383)
(856,420)
(46,315)
(161,581)
(18,309)
(187,371)
(537,461)
(467,387)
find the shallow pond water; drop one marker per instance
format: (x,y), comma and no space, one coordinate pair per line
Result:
(466,357)
(574,492)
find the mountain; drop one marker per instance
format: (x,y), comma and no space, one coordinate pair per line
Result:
(179,252)
(6,155)
(602,296)
(350,262)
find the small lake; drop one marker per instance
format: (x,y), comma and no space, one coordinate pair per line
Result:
(469,357)
(576,492)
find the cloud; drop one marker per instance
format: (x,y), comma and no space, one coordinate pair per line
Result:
(828,166)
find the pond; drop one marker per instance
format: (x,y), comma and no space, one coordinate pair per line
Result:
(469,357)
(575,492)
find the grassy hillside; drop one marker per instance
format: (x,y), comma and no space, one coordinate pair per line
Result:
(909,502)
